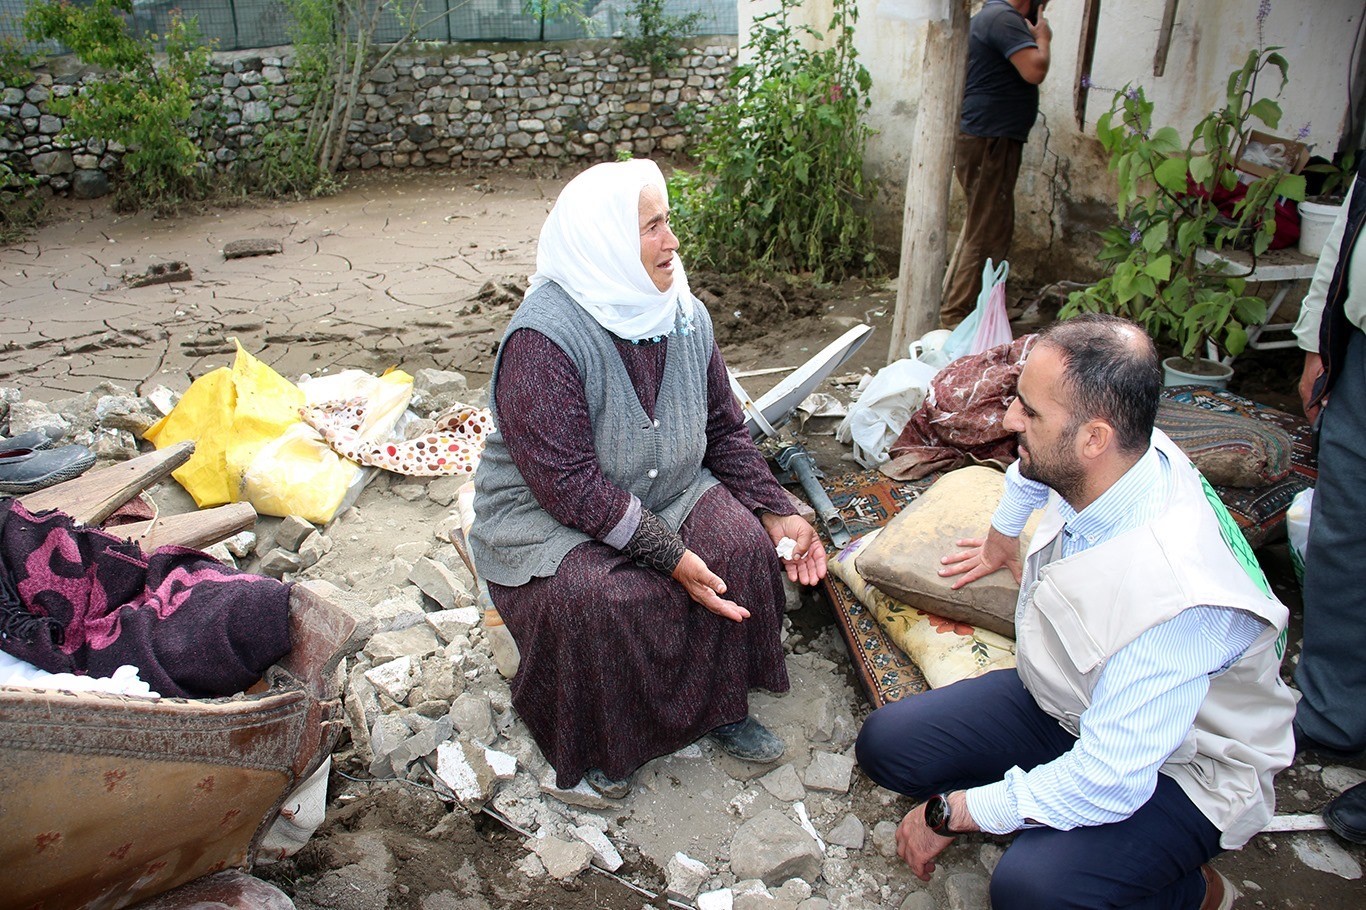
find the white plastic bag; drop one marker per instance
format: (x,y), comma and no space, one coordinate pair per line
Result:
(883,408)
(1297,529)
(987,326)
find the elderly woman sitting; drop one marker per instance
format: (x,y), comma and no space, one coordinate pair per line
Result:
(626,522)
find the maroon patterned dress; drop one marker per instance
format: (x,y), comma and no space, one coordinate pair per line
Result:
(618,664)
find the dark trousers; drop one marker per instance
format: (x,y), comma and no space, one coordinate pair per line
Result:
(987,168)
(972,732)
(1332,670)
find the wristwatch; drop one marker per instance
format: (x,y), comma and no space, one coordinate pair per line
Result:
(938,814)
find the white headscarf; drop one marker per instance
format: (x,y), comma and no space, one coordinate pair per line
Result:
(590,246)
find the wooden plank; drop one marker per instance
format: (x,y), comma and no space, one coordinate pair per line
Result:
(1164,38)
(192,529)
(94,496)
(1090,23)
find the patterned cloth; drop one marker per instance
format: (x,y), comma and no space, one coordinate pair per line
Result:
(960,420)
(78,600)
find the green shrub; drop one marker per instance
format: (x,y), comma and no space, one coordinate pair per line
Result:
(147,109)
(779,185)
(657,38)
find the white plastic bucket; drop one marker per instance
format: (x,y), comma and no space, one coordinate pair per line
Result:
(1316,221)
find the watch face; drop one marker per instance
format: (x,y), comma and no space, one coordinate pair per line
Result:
(935,810)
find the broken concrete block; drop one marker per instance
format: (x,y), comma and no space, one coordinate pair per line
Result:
(355,607)
(314,548)
(848,833)
(462,767)
(400,611)
(504,766)
(415,641)
(452,624)
(220,552)
(278,563)
(252,246)
(721,899)
(439,680)
(784,784)
(753,895)
(794,891)
(362,709)
(162,399)
(443,490)
(473,717)
(436,390)
(531,866)
(773,848)
(605,855)
(160,273)
(388,732)
(34,415)
(440,584)
(562,858)
(292,532)
(685,876)
(820,720)
(829,771)
(418,746)
(123,412)
(241,544)
(581,795)
(393,677)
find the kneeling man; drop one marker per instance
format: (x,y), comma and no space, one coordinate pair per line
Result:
(1140,733)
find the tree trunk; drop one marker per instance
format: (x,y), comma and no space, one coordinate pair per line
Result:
(919,290)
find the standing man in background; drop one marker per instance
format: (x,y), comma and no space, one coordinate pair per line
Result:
(1008,57)
(1331,675)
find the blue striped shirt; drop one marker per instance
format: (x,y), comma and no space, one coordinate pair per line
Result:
(1148,693)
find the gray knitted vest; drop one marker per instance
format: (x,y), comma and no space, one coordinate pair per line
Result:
(513,539)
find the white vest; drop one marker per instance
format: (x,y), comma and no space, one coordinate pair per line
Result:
(1080,610)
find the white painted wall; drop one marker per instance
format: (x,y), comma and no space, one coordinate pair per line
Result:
(1065,191)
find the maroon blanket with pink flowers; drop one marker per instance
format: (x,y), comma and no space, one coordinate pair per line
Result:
(78,600)
(960,421)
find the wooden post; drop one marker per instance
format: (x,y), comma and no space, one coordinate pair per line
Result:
(924,230)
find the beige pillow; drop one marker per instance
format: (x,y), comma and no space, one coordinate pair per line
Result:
(904,561)
(944,650)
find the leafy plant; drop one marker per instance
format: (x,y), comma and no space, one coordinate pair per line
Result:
(779,184)
(21,206)
(148,109)
(1167,215)
(1337,177)
(657,37)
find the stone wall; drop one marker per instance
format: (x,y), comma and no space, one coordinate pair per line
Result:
(457,105)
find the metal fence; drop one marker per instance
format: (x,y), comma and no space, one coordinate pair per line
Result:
(244,24)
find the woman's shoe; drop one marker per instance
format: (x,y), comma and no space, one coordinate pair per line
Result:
(26,470)
(612,789)
(39,439)
(749,740)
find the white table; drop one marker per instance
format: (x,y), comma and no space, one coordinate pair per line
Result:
(1281,268)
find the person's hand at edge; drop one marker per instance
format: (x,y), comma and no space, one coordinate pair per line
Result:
(981,557)
(1313,369)
(706,587)
(807,564)
(917,845)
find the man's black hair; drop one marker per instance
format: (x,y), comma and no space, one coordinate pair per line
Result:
(1112,373)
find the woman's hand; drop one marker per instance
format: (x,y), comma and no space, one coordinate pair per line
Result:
(807,564)
(706,587)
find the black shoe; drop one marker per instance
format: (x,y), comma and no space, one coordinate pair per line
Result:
(612,789)
(749,740)
(26,470)
(39,439)
(1304,743)
(1346,814)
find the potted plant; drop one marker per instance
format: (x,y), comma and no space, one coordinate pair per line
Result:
(1167,215)
(1318,213)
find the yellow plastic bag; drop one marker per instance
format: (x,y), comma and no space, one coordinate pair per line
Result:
(230,414)
(297,474)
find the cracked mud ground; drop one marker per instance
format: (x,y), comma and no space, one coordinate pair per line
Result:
(380,275)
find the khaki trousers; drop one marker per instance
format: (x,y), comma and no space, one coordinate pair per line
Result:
(987,168)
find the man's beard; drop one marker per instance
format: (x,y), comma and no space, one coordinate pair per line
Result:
(1058,471)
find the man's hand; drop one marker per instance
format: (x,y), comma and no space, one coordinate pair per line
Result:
(1042,32)
(706,587)
(982,557)
(917,845)
(807,564)
(1313,369)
